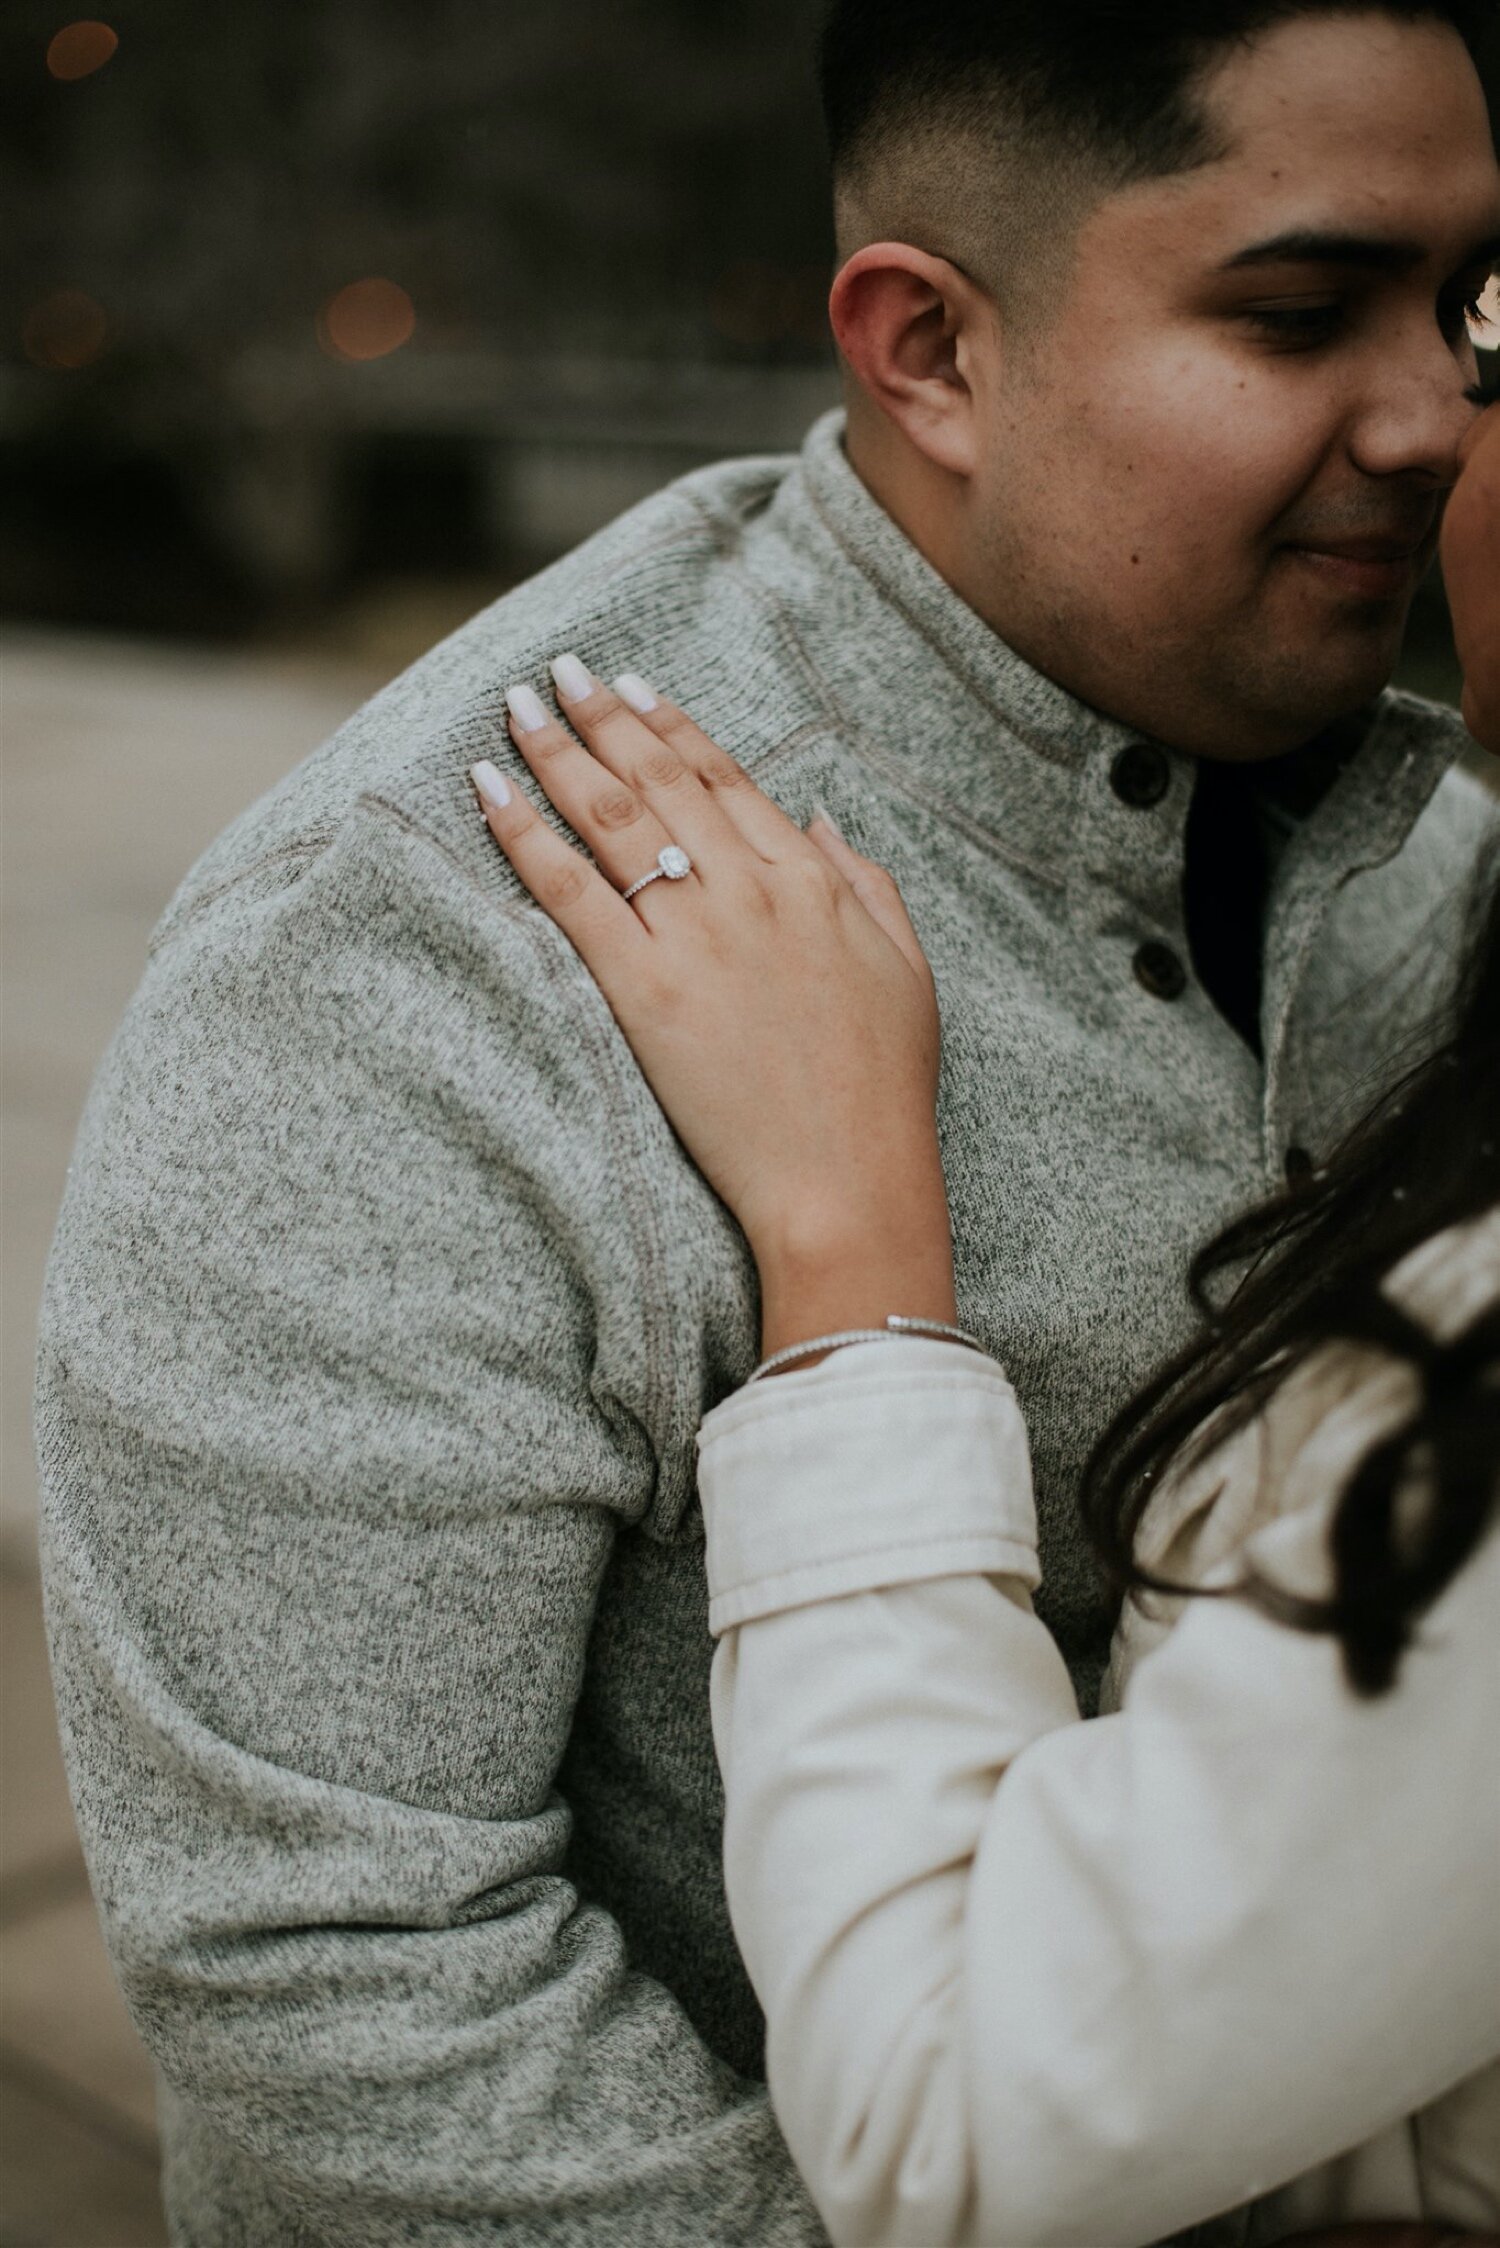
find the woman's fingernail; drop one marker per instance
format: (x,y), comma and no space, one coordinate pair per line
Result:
(632,689)
(492,786)
(820,813)
(526,708)
(575,682)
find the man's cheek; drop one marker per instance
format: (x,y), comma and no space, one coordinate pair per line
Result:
(1209,489)
(1187,538)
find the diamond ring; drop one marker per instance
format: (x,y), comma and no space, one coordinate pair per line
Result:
(672,864)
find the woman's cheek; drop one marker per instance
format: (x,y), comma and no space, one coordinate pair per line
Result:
(1471,570)
(1482,723)
(1476,633)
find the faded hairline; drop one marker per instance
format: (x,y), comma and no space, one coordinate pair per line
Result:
(1000,204)
(1001,196)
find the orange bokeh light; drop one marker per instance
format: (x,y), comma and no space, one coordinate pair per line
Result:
(79,49)
(65,331)
(366,320)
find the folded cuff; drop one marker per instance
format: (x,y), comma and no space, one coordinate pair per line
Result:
(887,1464)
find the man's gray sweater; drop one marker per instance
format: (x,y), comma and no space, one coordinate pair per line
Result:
(384,1306)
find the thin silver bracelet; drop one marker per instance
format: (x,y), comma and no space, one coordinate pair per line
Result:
(895,1327)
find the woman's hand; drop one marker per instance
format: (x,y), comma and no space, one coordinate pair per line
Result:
(776,998)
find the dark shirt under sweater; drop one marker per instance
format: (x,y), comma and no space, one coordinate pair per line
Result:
(1241,819)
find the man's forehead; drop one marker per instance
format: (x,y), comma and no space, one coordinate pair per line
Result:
(1345,73)
(1383,203)
(1380,221)
(1364,92)
(1363,129)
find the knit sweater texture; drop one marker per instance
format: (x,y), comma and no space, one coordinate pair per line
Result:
(384,1306)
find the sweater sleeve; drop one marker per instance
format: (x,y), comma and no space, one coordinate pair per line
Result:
(1033,1980)
(344,1387)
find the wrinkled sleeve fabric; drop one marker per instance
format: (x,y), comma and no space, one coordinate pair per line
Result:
(342,1396)
(1039,1982)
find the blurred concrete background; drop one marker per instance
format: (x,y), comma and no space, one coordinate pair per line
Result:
(319,326)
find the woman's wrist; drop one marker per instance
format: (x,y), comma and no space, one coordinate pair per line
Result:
(848,1272)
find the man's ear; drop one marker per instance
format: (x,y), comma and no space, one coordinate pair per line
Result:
(911,326)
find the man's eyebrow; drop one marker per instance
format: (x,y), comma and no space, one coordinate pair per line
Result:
(1373,253)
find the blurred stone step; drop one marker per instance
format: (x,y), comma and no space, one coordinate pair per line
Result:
(64,2183)
(61,2014)
(39,1854)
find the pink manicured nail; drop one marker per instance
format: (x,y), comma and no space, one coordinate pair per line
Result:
(526,708)
(575,682)
(492,786)
(820,813)
(632,689)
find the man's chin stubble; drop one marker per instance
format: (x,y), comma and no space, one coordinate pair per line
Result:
(1288,705)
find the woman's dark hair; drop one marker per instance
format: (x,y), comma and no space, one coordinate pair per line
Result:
(1108,81)
(1426,1158)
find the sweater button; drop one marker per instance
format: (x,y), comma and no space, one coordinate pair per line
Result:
(1159,971)
(1298,1165)
(1140,775)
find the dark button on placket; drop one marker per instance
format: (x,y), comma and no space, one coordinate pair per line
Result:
(1299,1166)
(1140,775)
(1159,971)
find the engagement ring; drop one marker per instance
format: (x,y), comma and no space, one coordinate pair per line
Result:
(672,863)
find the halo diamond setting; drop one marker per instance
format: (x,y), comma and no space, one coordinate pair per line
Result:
(672,865)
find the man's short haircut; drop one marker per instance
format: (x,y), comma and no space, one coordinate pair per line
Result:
(952,114)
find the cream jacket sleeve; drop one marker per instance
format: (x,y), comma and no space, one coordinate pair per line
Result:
(1033,1981)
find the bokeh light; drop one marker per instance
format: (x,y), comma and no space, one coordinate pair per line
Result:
(79,49)
(65,331)
(366,320)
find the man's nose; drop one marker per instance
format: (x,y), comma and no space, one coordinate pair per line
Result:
(1415,416)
